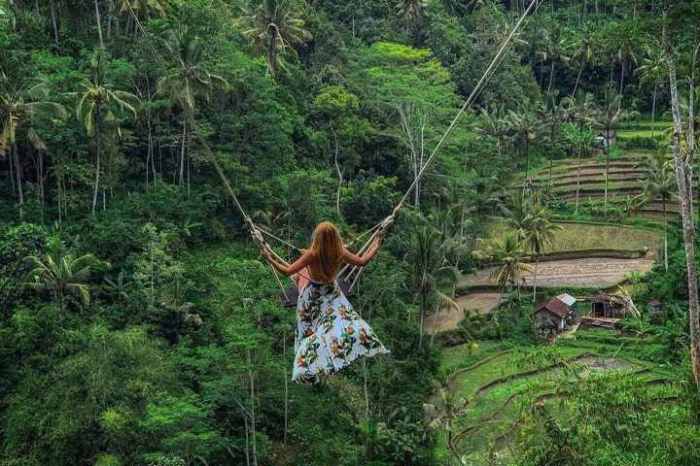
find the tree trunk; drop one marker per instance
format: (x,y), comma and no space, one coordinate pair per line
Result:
(247,440)
(286,389)
(683,175)
(18,177)
(11,172)
(534,280)
(527,156)
(54,23)
(189,176)
(622,79)
(578,177)
(422,318)
(578,78)
(607,171)
(665,234)
(653,111)
(340,175)
(98,150)
(183,144)
(149,152)
(551,78)
(251,379)
(272,53)
(99,24)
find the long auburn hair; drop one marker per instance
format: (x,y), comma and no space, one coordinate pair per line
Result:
(327,248)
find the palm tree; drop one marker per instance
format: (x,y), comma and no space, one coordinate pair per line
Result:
(653,70)
(660,183)
(492,125)
(20,106)
(138,10)
(552,112)
(525,128)
(276,28)
(444,413)
(609,119)
(509,274)
(581,111)
(62,273)
(508,253)
(537,232)
(412,12)
(626,52)
(98,21)
(95,106)
(430,273)
(144,8)
(583,54)
(554,51)
(187,82)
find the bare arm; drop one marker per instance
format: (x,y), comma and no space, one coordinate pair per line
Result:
(284,267)
(363,260)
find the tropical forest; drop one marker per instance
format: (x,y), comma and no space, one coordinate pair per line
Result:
(349,233)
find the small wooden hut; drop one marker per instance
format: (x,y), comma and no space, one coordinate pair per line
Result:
(555,316)
(612,306)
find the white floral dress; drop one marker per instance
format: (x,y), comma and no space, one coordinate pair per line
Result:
(330,333)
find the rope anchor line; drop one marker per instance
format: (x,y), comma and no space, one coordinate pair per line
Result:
(257,233)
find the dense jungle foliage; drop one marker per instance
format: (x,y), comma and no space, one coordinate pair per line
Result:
(139,324)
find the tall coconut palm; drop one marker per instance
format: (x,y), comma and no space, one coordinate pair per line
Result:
(583,54)
(443,413)
(537,232)
(508,252)
(430,274)
(660,184)
(581,112)
(626,51)
(653,70)
(144,8)
(186,82)
(276,27)
(412,13)
(525,127)
(554,50)
(98,21)
(19,106)
(552,112)
(608,119)
(62,273)
(138,10)
(491,124)
(97,102)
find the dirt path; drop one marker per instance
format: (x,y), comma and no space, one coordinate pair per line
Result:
(449,319)
(580,273)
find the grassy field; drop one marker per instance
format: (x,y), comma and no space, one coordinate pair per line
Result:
(579,237)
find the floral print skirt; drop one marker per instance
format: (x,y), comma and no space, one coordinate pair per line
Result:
(330,334)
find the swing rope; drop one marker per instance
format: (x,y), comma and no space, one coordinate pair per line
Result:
(490,71)
(257,232)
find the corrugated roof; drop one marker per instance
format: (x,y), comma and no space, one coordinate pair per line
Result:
(567,299)
(556,307)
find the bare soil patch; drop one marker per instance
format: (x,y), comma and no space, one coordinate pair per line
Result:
(578,273)
(449,319)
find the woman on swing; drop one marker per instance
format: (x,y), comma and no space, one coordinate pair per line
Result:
(330,334)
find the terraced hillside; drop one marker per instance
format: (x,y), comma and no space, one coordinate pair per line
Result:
(582,255)
(493,388)
(571,178)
